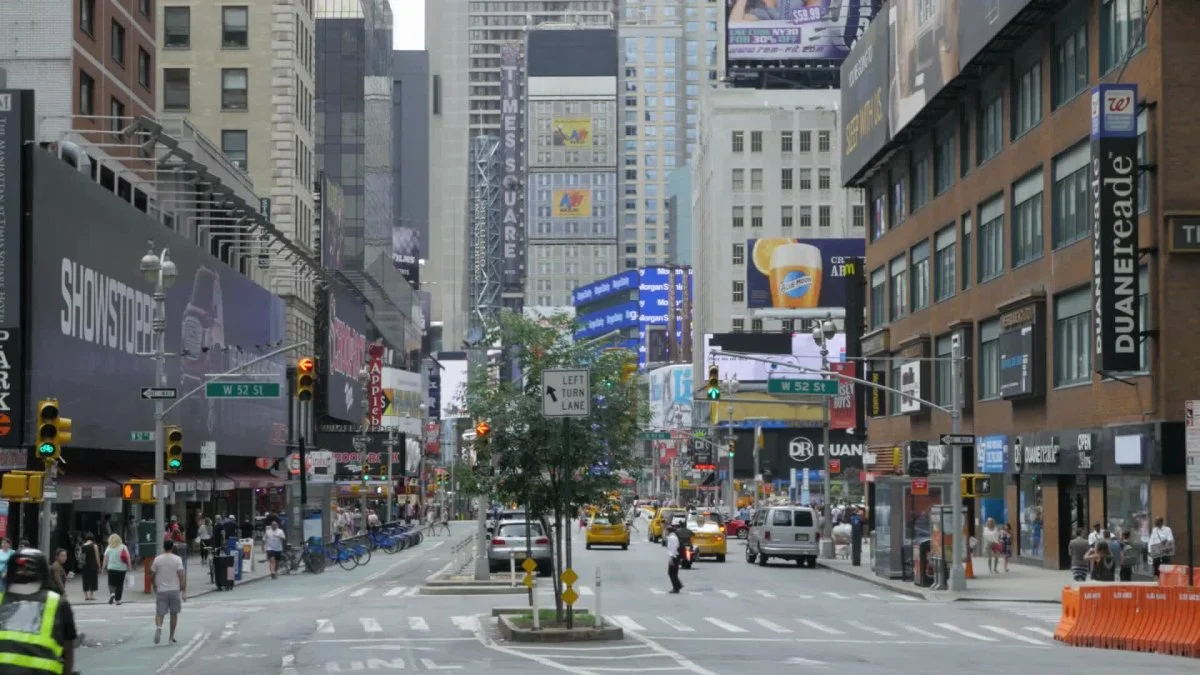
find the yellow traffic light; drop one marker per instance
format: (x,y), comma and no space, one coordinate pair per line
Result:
(22,486)
(482,429)
(141,491)
(306,378)
(627,371)
(174,448)
(53,430)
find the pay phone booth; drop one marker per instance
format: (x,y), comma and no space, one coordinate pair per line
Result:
(908,522)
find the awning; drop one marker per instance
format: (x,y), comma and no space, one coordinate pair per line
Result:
(75,487)
(252,479)
(194,482)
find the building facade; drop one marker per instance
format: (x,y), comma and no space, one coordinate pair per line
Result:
(679,216)
(647,311)
(986,226)
(410,141)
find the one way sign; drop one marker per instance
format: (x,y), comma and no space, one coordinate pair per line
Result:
(958,439)
(159,393)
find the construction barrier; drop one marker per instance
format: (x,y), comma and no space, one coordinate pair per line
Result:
(1133,617)
(1177,575)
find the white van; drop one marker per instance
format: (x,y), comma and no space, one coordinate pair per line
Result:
(784,532)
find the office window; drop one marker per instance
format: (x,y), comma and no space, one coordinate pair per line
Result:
(756,216)
(87,94)
(989,359)
(943,160)
(858,216)
(1144,317)
(823,179)
(116,113)
(177,27)
(235,146)
(1121,25)
(234,89)
(786,216)
(822,141)
(805,179)
(964,254)
(1070,72)
(739,179)
(1072,337)
(878,215)
(117,40)
(942,349)
(898,271)
(756,180)
(756,325)
(878,297)
(785,179)
(919,276)
(1070,217)
(738,141)
(739,216)
(755,141)
(144,7)
(964,134)
(1027,239)
(235,27)
(824,216)
(805,215)
(944,263)
(145,68)
(1027,98)
(899,198)
(87,16)
(739,291)
(920,181)
(1143,153)
(894,383)
(805,141)
(177,88)
(991,128)
(739,254)
(785,141)
(991,239)
(738,324)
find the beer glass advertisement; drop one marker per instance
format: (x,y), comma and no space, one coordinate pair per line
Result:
(572,203)
(769,30)
(572,132)
(789,273)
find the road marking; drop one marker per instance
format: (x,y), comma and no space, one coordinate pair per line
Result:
(772,626)
(821,627)
(800,597)
(868,595)
(684,662)
(658,591)
(370,625)
(765,594)
(417,623)
(324,626)
(836,596)
(470,623)
(430,665)
(361,592)
(966,633)
(681,627)
(287,664)
(337,591)
(394,592)
(725,625)
(1013,635)
(870,629)
(626,622)
(728,594)
(412,591)
(188,649)
(907,598)
(801,661)
(585,591)
(1040,631)
(922,631)
(230,630)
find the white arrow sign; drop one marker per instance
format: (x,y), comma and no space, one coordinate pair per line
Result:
(958,439)
(156,393)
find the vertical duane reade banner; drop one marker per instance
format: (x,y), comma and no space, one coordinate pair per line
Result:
(16,124)
(1114,174)
(512,169)
(865,81)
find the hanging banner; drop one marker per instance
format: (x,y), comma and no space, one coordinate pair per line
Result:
(16,132)
(406,253)
(512,170)
(842,411)
(375,398)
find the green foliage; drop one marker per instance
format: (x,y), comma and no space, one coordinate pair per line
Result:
(529,449)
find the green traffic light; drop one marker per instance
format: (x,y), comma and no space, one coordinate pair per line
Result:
(176,464)
(714,394)
(46,449)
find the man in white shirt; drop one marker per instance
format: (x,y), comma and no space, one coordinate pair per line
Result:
(169,580)
(1162,544)
(273,540)
(673,559)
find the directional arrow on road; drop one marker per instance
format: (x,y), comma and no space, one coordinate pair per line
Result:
(157,393)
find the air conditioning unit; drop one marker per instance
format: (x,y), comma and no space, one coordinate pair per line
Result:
(239,163)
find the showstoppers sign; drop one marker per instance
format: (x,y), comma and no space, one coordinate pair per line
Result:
(375,397)
(16,127)
(347,352)
(841,407)
(512,170)
(1114,173)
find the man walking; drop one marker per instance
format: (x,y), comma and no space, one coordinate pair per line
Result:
(673,559)
(169,580)
(273,540)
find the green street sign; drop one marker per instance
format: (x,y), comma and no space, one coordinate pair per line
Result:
(142,436)
(241,390)
(818,387)
(656,435)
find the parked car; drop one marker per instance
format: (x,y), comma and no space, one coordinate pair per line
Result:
(510,537)
(504,515)
(784,532)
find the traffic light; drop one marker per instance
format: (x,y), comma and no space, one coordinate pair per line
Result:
(174,438)
(732,446)
(306,378)
(918,459)
(482,429)
(22,486)
(53,431)
(366,473)
(141,491)
(714,383)
(627,371)
(976,485)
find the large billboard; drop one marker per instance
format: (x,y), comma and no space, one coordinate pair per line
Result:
(93,317)
(346,346)
(332,232)
(572,132)
(406,253)
(786,273)
(1115,282)
(512,169)
(572,203)
(671,397)
(618,317)
(16,133)
(924,55)
(865,78)
(805,356)
(770,30)
(599,290)
(977,28)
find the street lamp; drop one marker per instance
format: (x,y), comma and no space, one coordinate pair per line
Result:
(364,377)
(822,333)
(159,270)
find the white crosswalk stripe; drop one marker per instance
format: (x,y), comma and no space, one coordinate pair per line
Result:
(626,622)
(765,594)
(725,625)
(772,626)
(412,591)
(964,632)
(868,595)
(1040,631)
(821,627)
(836,596)
(417,623)
(870,629)
(324,626)
(395,591)
(360,592)
(1013,635)
(658,591)
(681,627)
(728,594)
(924,633)
(907,598)
(370,625)
(470,623)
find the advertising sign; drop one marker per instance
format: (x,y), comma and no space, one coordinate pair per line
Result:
(433,394)
(876,398)
(788,273)
(976,28)
(93,322)
(992,453)
(346,353)
(653,295)
(806,451)
(1017,365)
(924,37)
(512,170)
(842,412)
(406,253)
(332,232)
(573,203)
(624,315)
(1114,173)
(375,397)
(16,128)
(910,387)
(1185,234)
(599,290)
(671,397)
(769,30)
(572,132)
(805,354)
(865,77)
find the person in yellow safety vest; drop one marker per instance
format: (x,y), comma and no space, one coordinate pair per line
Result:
(37,626)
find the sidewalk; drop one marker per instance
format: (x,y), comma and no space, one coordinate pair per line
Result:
(199,582)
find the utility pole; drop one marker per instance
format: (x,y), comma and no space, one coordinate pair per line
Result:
(159,270)
(958,575)
(391,488)
(822,333)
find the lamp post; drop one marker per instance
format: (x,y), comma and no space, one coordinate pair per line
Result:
(822,333)
(364,377)
(158,269)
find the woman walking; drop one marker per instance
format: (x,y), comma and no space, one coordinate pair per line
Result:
(992,545)
(90,569)
(117,563)
(203,534)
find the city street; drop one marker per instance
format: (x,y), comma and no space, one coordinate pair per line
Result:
(731,618)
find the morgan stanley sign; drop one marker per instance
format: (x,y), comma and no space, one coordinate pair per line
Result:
(1114,187)
(512,170)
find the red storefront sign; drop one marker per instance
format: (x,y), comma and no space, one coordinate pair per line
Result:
(841,407)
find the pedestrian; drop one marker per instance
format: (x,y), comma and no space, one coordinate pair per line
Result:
(1101,561)
(58,572)
(6,552)
(1078,549)
(168,578)
(1006,544)
(1162,544)
(1095,535)
(90,570)
(673,559)
(117,563)
(991,543)
(273,541)
(1130,556)
(203,534)
(29,644)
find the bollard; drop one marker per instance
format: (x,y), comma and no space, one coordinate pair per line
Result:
(537,622)
(599,614)
(512,569)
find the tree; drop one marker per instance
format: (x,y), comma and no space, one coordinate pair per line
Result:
(553,465)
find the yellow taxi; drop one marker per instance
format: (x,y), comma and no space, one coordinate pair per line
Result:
(708,535)
(660,519)
(607,529)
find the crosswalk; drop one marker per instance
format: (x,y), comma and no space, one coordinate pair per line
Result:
(778,593)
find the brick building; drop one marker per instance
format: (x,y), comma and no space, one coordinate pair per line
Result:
(981,226)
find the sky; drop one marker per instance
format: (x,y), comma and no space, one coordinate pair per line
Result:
(408,24)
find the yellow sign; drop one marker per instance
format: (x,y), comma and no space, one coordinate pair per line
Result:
(528,580)
(572,132)
(570,596)
(569,577)
(572,203)
(529,565)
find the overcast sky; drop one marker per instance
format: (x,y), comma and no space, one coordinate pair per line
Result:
(408,23)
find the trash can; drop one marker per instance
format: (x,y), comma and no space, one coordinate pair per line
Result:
(222,572)
(921,574)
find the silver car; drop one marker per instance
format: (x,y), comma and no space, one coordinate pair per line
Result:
(785,533)
(509,538)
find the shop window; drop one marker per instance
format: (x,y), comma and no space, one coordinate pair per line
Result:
(1127,504)
(1030,543)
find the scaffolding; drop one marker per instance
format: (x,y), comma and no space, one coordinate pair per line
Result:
(484,235)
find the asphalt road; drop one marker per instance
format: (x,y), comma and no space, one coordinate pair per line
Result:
(732,618)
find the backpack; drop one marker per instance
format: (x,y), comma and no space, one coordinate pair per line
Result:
(1130,555)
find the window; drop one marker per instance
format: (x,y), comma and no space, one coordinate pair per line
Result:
(943,263)
(116,111)
(1070,216)
(87,16)
(177,89)
(786,216)
(739,179)
(1126,503)
(1143,153)
(894,383)
(756,180)
(234,89)
(824,216)
(899,195)
(785,179)
(897,270)
(1121,26)
(1027,237)
(858,216)
(739,291)
(785,141)
(991,128)
(118,42)
(788,325)
(755,141)
(739,216)
(943,160)
(919,276)
(878,215)
(822,141)
(989,359)
(805,179)
(920,182)
(144,68)
(878,297)
(235,27)
(738,141)
(805,215)
(805,141)
(177,27)
(234,145)
(991,239)
(823,180)
(87,94)
(965,253)
(941,371)
(1070,74)
(1072,337)
(964,135)
(1144,317)
(756,325)
(756,216)
(738,324)
(1027,98)
(1031,528)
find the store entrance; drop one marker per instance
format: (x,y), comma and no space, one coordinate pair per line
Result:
(1073,514)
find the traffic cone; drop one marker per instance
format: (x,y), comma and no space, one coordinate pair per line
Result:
(970,573)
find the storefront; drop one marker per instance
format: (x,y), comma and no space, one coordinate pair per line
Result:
(802,450)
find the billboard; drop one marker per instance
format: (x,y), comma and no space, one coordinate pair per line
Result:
(1115,292)
(93,323)
(332,232)
(653,291)
(978,27)
(865,78)
(512,170)
(16,131)
(599,290)
(787,273)
(618,317)
(572,203)
(770,30)
(572,132)
(842,412)
(406,253)
(805,353)
(924,56)
(347,352)
(671,397)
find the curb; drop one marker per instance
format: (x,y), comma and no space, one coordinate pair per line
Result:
(881,583)
(551,635)
(471,590)
(1022,600)
(498,611)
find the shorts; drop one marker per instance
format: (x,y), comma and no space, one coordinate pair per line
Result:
(169,602)
(275,555)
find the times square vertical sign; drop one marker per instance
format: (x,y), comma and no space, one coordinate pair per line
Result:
(1114,186)
(512,169)
(16,179)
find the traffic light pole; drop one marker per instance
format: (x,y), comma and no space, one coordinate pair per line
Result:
(160,413)
(958,575)
(49,483)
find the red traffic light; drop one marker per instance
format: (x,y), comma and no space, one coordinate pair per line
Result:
(306,365)
(482,429)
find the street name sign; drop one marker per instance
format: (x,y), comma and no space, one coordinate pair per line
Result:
(566,393)
(958,439)
(159,393)
(656,435)
(819,387)
(142,436)
(241,390)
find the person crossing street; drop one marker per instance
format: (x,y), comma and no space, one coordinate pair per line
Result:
(673,559)
(168,577)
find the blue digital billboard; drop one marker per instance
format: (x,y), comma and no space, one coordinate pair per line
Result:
(618,317)
(607,305)
(598,290)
